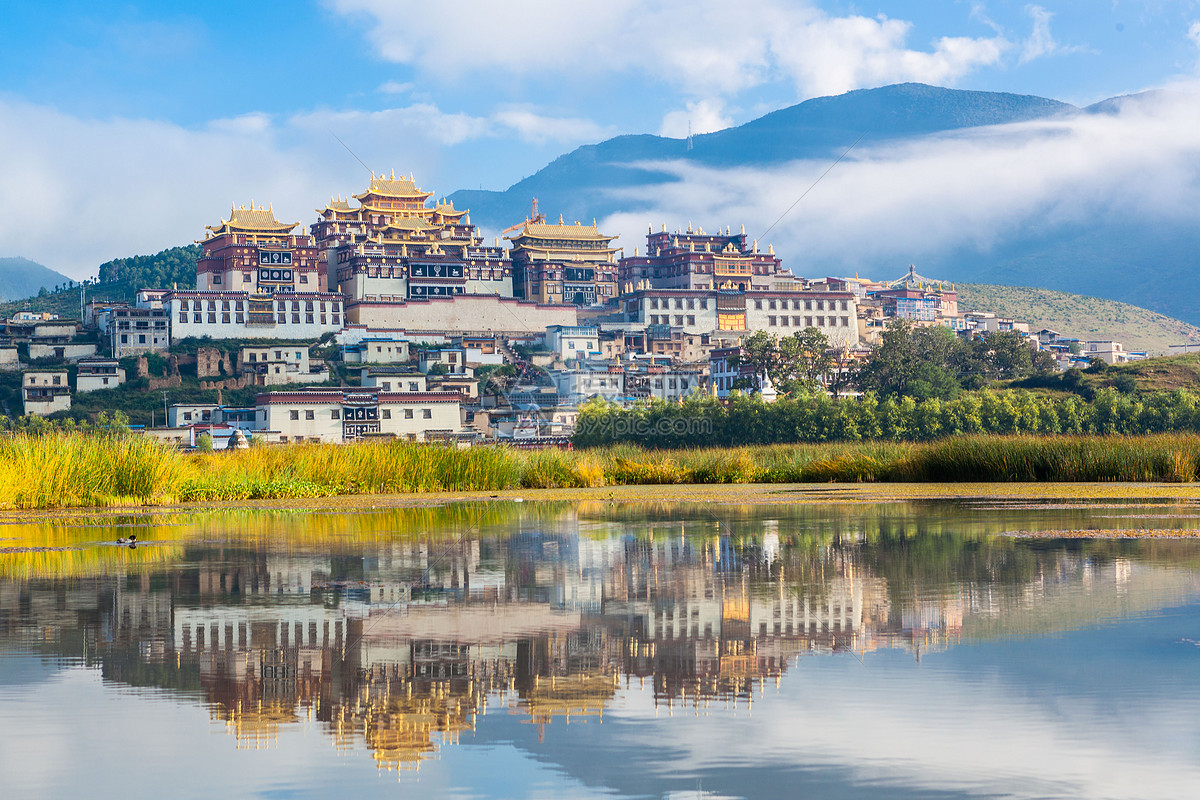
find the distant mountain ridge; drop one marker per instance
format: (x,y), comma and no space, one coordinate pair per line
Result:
(1120,258)
(21,278)
(578,184)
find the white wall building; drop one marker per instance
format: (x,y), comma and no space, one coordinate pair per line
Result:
(571,342)
(45,391)
(98,373)
(342,415)
(280,364)
(303,316)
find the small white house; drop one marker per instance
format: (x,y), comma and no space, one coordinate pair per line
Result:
(98,373)
(45,391)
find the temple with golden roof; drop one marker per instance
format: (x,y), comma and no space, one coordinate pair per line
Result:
(563,264)
(394,245)
(253,252)
(693,259)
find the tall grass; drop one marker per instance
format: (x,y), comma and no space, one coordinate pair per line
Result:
(73,470)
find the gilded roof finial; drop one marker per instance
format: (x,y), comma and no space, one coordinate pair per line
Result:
(560,219)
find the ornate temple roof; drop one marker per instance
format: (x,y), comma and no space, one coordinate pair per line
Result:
(339,205)
(394,187)
(544,230)
(255,219)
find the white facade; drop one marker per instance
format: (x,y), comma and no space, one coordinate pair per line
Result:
(573,342)
(134,331)
(578,385)
(8,358)
(337,415)
(237,315)
(181,415)
(280,364)
(392,380)
(785,313)
(98,373)
(62,352)
(376,350)
(693,311)
(45,392)
(454,359)
(1106,351)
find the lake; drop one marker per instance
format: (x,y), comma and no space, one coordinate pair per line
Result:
(605,648)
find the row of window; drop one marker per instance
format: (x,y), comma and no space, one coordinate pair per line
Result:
(820,322)
(238,305)
(240,319)
(665,319)
(336,413)
(808,305)
(679,303)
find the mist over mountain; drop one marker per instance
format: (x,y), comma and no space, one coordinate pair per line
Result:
(971,186)
(20,278)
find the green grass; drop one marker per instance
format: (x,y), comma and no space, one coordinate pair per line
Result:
(79,470)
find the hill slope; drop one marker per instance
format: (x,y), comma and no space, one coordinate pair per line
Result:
(20,277)
(1080,317)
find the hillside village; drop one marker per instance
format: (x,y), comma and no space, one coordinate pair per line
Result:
(392,317)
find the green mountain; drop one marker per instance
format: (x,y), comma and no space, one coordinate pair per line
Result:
(586,182)
(1147,258)
(20,277)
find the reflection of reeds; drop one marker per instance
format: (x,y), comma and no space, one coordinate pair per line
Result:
(78,470)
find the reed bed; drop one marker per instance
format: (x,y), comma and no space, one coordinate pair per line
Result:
(78,470)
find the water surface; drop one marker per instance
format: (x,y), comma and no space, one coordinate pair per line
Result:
(604,649)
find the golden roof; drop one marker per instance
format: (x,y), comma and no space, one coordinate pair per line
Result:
(447,210)
(255,219)
(544,230)
(393,187)
(336,205)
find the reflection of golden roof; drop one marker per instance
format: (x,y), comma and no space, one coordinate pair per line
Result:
(567,696)
(252,220)
(258,725)
(394,187)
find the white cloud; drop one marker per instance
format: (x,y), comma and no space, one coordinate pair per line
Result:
(972,188)
(539,129)
(704,47)
(1041,41)
(395,87)
(700,116)
(126,186)
(1194,33)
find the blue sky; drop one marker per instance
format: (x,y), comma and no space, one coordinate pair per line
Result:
(175,110)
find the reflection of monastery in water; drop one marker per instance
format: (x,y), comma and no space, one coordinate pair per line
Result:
(400,646)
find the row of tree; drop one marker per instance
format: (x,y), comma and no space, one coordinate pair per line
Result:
(703,421)
(173,267)
(910,361)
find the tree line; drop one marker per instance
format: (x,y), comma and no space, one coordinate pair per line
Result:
(703,421)
(910,361)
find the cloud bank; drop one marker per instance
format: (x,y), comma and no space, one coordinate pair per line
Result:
(976,188)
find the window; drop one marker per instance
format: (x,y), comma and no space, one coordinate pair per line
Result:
(426,414)
(294,415)
(304,279)
(808,322)
(124,338)
(796,322)
(387,413)
(771,321)
(691,319)
(408,413)
(212,317)
(141,338)
(56,380)
(335,414)
(758,305)
(387,386)
(216,278)
(310,415)
(197,318)
(183,316)
(413,386)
